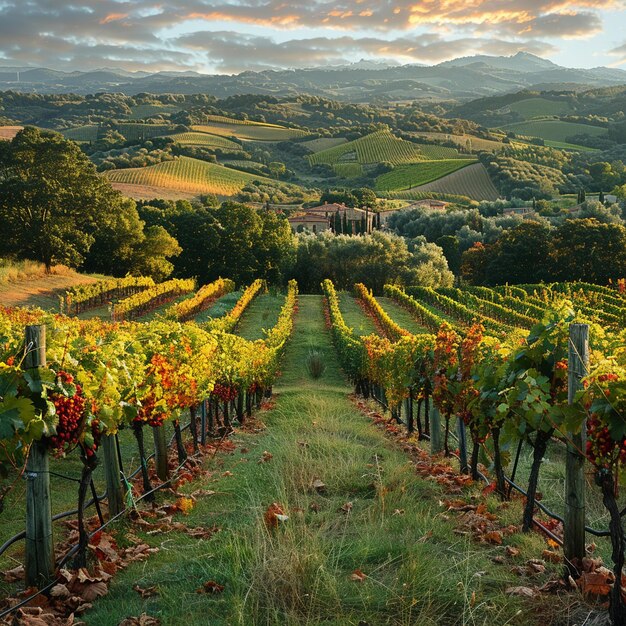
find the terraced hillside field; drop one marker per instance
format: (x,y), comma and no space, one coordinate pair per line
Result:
(142,111)
(472,181)
(554,130)
(540,107)
(130,130)
(249,132)
(324,143)
(415,174)
(374,148)
(184,174)
(475,143)
(206,141)
(82,133)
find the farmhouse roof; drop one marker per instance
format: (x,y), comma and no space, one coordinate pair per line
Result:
(318,219)
(333,208)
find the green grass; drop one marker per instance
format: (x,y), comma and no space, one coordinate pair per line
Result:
(220,307)
(401,316)
(562,145)
(262,314)
(374,148)
(300,573)
(82,133)
(186,175)
(554,130)
(348,170)
(415,174)
(540,107)
(432,152)
(354,316)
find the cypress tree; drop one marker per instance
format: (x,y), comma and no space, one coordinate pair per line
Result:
(344,224)
(583,196)
(601,197)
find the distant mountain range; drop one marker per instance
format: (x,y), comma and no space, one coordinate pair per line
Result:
(459,79)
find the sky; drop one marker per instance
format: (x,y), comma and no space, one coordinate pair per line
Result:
(231,36)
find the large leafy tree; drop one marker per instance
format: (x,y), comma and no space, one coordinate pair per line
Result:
(586,249)
(52,201)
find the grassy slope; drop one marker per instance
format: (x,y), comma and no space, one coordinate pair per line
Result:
(401,316)
(261,315)
(354,316)
(554,130)
(300,573)
(42,290)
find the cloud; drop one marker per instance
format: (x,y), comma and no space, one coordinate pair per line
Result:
(165,34)
(232,52)
(620,53)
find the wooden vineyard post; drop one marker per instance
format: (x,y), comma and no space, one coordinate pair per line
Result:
(574,526)
(39,542)
(115,493)
(462,432)
(436,442)
(160,452)
(203,407)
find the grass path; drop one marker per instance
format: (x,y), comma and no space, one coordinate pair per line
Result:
(262,314)
(418,571)
(401,316)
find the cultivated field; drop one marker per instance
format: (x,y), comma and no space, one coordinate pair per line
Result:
(540,107)
(475,143)
(82,133)
(472,181)
(374,148)
(324,143)
(205,140)
(185,175)
(142,111)
(415,174)
(554,130)
(249,132)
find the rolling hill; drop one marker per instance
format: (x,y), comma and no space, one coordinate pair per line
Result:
(182,175)
(413,175)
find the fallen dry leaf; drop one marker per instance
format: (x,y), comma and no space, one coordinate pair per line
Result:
(494,536)
(14,575)
(347,507)
(358,576)
(511,551)
(265,457)
(527,592)
(142,620)
(146,592)
(210,587)
(274,514)
(318,485)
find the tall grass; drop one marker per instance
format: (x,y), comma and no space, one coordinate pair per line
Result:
(18,271)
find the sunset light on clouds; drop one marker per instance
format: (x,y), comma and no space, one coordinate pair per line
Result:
(230,37)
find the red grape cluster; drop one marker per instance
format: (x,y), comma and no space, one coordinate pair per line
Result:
(69,411)
(147,414)
(602,450)
(96,435)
